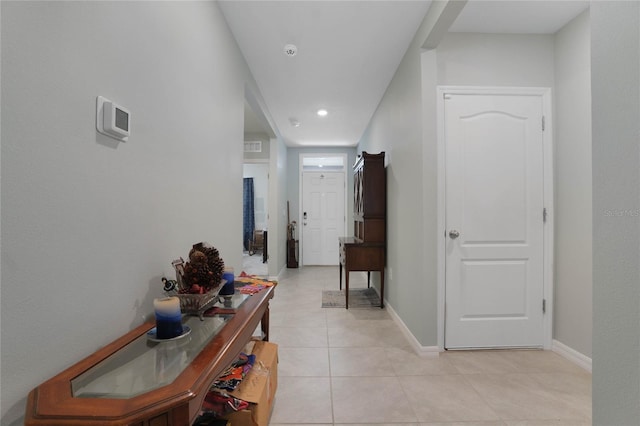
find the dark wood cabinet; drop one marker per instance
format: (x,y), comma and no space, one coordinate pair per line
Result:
(366,250)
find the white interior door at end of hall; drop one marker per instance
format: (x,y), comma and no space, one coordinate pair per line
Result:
(494,201)
(322,217)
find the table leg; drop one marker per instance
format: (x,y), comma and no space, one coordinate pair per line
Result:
(368,279)
(340,275)
(382,288)
(264,325)
(346,287)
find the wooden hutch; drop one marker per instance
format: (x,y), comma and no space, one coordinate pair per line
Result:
(365,251)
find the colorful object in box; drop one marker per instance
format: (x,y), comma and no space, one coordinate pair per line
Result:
(232,376)
(218,405)
(251,403)
(253,284)
(168,317)
(258,388)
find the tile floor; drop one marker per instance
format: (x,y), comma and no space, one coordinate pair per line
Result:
(253,265)
(339,366)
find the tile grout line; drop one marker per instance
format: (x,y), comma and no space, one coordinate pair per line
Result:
(333,414)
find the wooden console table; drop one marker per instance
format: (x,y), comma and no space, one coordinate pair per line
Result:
(92,391)
(356,255)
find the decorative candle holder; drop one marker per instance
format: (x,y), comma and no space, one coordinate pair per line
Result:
(229,288)
(168,317)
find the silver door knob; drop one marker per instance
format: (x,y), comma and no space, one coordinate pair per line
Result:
(453,234)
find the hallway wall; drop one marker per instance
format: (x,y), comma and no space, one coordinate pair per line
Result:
(90,225)
(615,89)
(573,311)
(396,128)
(405,128)
(279,168)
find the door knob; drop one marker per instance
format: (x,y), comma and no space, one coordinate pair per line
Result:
(453,234)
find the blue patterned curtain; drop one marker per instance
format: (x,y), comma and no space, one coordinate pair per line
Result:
(248,218)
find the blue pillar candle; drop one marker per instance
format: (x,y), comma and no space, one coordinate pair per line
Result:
(168,317)
(229,287)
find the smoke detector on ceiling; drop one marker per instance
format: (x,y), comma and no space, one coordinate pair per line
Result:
(294,122)
(290,50)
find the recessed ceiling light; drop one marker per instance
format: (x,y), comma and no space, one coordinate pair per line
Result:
(322,112)
(290,50)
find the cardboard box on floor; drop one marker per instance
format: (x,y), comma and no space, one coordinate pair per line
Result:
(258,387)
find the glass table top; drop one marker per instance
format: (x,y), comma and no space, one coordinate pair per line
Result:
(232,302)
(146,364)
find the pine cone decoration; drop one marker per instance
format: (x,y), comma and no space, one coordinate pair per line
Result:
(217,267)
(203,272)
(210,251)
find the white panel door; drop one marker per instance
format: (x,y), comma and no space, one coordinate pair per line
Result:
(322,216)
(494,221)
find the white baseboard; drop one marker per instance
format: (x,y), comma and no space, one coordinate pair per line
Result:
(415,345)
(280,275)
(561,349)
(572,355)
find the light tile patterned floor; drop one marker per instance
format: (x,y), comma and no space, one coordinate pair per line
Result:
(252,264)
(339,366)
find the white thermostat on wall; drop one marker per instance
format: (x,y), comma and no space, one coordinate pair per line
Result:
(112,119)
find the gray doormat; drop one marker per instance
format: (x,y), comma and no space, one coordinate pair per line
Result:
(358,298)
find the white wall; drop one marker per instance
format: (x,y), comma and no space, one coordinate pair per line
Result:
(615,79)
(573,218)
(89,225)
(396,128)
(277,208)
(496,60)
(480,60)
(404,127)
(260,174)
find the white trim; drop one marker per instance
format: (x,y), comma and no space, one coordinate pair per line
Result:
(548,158)
(281,275)
(572,355)
(345,162)
(413,342)
(256,161)
(547,140)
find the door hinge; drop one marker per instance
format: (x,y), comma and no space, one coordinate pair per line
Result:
(543,123)
(544,215)
(544,306)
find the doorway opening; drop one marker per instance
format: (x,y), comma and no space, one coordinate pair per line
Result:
(255,218)
(258,192)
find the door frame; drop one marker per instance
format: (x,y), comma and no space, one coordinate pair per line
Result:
(548,229)
(301,156)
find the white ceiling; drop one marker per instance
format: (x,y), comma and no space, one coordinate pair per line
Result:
(517,16)
(348,51)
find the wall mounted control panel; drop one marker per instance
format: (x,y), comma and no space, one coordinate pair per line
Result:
(112,120)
